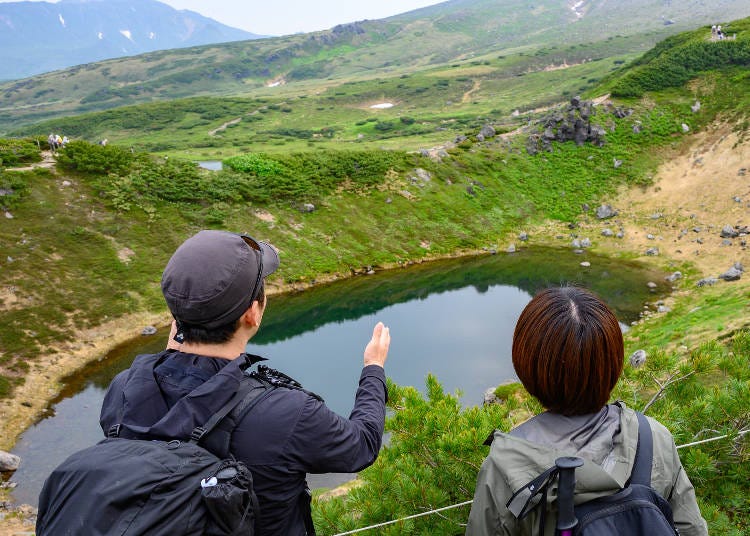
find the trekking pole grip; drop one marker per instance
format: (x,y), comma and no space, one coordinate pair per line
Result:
(566,517)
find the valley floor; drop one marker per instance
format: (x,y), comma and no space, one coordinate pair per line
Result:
(694,194)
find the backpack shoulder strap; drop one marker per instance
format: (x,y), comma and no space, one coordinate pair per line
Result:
(251,392)
(245,390)
(644,453)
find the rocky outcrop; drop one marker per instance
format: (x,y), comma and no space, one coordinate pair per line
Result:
(573,123)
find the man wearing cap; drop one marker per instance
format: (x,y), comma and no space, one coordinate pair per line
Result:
(214,287)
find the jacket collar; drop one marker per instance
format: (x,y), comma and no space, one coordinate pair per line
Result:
(520,461)
(146,413)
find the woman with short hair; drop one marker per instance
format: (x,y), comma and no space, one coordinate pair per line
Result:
(568,353)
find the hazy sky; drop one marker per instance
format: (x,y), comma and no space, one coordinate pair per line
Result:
(280,17)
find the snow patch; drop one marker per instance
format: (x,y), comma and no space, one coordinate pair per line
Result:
(577,8)
(382,106)
(276,82)
(127,34)
(62,20)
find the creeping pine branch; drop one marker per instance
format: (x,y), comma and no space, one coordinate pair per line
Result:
(663,388)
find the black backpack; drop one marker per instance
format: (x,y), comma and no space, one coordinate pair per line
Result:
(137,486)
(635,509)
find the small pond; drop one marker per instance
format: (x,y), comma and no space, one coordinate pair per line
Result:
(213,165)
(453,318)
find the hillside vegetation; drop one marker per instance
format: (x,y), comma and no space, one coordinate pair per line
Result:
(454,32)
(87,239)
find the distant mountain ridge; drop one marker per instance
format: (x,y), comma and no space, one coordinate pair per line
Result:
(534,34)
(37,37)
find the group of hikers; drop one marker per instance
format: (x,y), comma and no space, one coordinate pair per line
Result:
(55,142)
(567,351)
(718,34)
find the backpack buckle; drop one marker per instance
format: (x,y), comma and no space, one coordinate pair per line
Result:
(197,434)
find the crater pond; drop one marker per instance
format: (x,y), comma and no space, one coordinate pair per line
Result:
(452,318)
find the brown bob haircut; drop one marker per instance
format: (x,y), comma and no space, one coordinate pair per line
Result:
(568,351)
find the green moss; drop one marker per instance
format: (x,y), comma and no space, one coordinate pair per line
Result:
(507,390)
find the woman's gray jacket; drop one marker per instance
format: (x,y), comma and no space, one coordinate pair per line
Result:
(606,441)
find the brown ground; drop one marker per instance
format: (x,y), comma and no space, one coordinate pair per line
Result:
(693,196)
(694,189)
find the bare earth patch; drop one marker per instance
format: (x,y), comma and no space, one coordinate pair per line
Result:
(695,195)
(125,254)
(265,216)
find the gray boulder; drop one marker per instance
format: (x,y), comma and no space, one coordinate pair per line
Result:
(729,232)
(637,358)
(487,131)
(8,461)
(605,211)
(733,274)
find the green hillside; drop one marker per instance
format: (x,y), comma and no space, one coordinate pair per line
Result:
(452,32)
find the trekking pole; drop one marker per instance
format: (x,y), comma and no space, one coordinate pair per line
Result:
(566,517)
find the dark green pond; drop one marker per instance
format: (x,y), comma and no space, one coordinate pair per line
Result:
(452,318)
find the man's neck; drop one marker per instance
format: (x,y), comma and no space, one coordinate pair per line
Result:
(229,350)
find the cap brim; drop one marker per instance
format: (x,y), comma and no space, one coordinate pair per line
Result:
(270,258)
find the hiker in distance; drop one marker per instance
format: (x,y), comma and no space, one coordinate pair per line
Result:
(568,353)
(214,287)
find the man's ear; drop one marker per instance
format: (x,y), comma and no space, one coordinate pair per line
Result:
(254,314)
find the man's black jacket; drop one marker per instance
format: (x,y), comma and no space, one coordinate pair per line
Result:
(287,434)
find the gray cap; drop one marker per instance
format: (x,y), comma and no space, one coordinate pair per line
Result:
(210,278)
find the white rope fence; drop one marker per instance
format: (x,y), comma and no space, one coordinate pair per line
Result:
(465,503)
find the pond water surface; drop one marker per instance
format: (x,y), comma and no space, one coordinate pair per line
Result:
(452,318)
(212,165)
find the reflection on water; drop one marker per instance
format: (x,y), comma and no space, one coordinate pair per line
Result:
(452,318)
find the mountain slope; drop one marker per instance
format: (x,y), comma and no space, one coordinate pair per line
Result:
(37,37)
(455,31)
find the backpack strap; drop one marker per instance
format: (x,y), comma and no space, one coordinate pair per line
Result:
(533,495)
(644,453)
(220,438)
(246,389)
